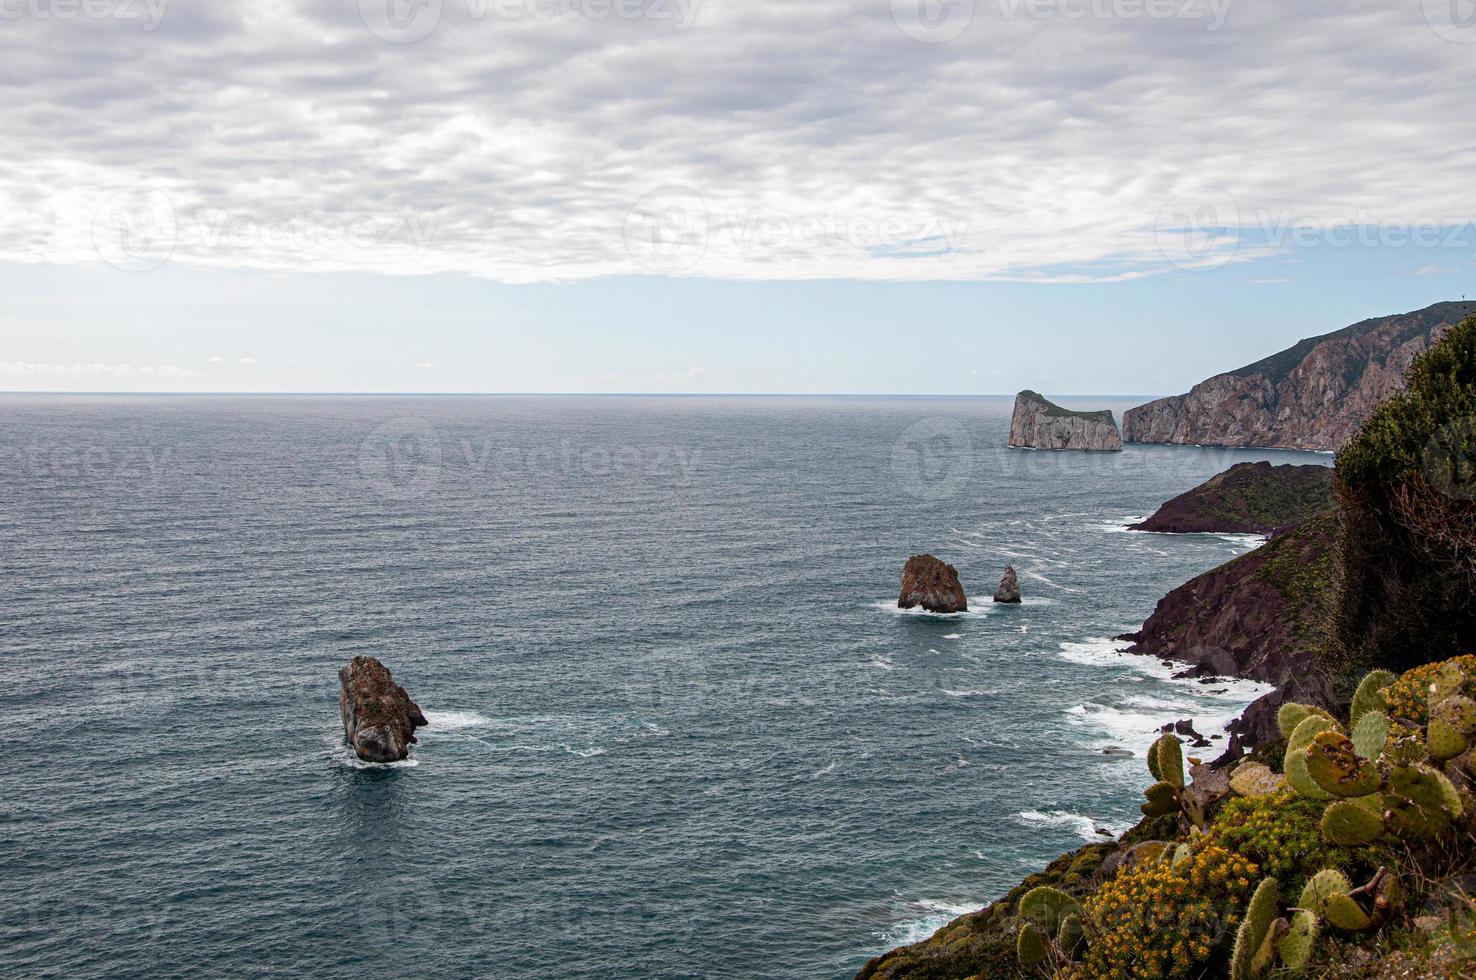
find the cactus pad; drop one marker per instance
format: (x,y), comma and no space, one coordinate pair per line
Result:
(1349,823)
(1335,766)
(1322,886)
(1370,694)
(1253,929)
(1255,779)
(1300,942)
(1046,907)
(1370,733)
(1169,755)
(1030,946)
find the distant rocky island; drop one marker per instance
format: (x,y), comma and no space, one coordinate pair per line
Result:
(1248,498)
(1311,396)
(1039,423)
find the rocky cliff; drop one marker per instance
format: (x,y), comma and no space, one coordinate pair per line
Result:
(1248,498)
(1261,616)
(379,719)
(1042,424)
(1310,396)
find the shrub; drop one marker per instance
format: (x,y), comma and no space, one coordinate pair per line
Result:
(1406,483)
(1282,834)
(1165,920)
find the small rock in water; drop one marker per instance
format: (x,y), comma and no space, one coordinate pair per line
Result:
(932,584)
(379,719)
(1116,750)
(1009,587)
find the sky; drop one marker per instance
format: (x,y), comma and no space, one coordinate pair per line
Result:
(818,196)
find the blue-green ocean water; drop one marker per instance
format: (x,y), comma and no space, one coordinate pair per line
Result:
(677,728)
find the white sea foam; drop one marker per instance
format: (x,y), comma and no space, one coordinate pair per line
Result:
(450,721)
(978,612)
(970,693)
(345,757)
(824,772)
(953,636)
(583,753)
(925,918)
(1083,826)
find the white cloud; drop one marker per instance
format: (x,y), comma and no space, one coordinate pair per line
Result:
(248,360)
(803,140)
(423,365)
(694,373)
(216,359)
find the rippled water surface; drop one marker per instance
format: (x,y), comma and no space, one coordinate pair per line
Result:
(677,728)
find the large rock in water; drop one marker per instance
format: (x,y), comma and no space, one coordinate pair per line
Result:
(379,719)
(1248,498)
(932,584)
(1009,587)
(1042,424)
(1310,396)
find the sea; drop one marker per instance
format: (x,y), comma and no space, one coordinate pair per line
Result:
(678,727)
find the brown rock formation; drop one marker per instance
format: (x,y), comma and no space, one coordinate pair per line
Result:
(1042,424)
(1009,587)
(1259,616)
(1310,396)
(932,584)
(379,719)
(1248,498)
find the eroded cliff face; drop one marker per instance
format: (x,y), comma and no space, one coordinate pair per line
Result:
(1311,396)
(1260,616)
(1042,424)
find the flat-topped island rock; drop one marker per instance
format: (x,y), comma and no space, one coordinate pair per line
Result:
(1039,423)
(933,585)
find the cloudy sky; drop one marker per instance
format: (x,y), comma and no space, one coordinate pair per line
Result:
(1087,196)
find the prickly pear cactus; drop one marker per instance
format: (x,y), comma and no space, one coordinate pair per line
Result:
(1421,802)
(1335,766)
(1046,907)
(1253,930)
(1346,914)
(1169,755)
(1300,942)
(1030,946)
(1370,694)
(1296,755)
(1255,779)
(1322,886)
(1370,733)
(1072,935)
(1162,798)
(1352,823)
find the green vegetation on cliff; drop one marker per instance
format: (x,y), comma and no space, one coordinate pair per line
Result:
(1248,498)
(1407,485)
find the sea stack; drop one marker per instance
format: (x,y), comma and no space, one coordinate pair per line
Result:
(932,584)
(1042,424)
(1009,587)
(379,719)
